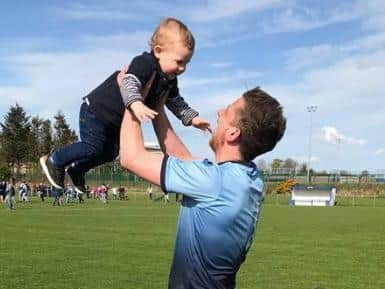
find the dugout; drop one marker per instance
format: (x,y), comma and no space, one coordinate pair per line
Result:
(313,195)
(152,147)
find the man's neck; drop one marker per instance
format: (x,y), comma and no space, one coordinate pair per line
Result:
(226,154)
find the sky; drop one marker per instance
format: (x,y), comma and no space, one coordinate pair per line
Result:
(328,54)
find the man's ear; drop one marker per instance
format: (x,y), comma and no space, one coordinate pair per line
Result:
(233,134)
(157,50)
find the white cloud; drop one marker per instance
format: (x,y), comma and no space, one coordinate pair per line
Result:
(333,136)
(299,18)
(350,79)
(134,41)
(218,9)
(371,42)
(222,64)
(237,76)
(10,95)
(380,151)
(53,81)
(373,13)
(303,159)
(92,12)
(305,57)
(310,57)
(350,86)
(212,10)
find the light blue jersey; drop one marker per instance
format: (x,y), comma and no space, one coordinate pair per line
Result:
(217,220)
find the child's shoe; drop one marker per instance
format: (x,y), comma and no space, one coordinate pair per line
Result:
(78,180)
(55,174)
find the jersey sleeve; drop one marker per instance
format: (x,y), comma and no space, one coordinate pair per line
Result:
(198,180)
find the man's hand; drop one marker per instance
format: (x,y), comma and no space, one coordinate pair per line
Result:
(142,112)
(121,75)
(201,123)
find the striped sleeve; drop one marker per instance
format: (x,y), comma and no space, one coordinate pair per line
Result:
(130,89)
(138,74)
(181,109)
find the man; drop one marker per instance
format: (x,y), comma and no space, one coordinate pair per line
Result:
(221,199)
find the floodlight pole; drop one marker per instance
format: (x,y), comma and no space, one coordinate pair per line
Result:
(310,109)
(339,139)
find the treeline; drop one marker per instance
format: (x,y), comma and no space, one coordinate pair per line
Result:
(23,139)
(288,164)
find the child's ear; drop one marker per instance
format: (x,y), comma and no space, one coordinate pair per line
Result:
(157,50)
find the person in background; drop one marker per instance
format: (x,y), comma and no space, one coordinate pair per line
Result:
(149,191)
(10,194)
(3,186)
(41,190)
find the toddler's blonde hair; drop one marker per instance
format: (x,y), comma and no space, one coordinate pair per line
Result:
(168,28)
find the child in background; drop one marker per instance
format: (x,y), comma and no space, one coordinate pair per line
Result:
(150,79)
(10,194)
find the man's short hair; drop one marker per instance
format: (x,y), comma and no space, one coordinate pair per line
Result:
(261,122)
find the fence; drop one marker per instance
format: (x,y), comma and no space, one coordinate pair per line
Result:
(341,201)
(112,174)
(370,183)
(329,178)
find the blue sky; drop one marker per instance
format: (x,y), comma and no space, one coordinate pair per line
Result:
(325,53)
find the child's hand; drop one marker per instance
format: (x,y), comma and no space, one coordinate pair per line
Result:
(201,123)
(142,112)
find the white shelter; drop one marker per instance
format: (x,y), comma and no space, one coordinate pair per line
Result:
(317,195)
(152,147)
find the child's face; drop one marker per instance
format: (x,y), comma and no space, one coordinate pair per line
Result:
(173,58)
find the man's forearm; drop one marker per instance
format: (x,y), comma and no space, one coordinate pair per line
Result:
(133,155)
(170,143)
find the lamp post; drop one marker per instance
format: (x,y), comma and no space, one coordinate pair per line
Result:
(310,109)
(339,139)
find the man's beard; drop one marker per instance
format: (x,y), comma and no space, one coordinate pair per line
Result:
(211,143)
(215,142)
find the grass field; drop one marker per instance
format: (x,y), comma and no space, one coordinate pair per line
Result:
(129,244)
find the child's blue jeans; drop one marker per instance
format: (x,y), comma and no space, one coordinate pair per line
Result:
(99,144)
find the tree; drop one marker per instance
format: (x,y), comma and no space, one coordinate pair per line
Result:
(46,137)
(63,135)
(35,141)
(365,173)
(5,172)
(364,177)
(289,164)
(302,169)
(15,135)
(2,156)
(276,164)
(262,165)
(344,173)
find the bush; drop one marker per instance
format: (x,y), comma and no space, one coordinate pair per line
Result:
(5,172)
(285,187)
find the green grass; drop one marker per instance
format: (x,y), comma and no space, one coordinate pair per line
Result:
(129,244)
